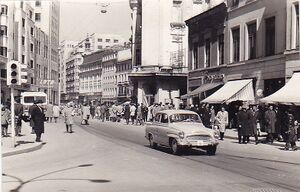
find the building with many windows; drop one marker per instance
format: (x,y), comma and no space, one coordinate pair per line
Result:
(242,40)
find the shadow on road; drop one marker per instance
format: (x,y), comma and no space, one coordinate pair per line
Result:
(22,183)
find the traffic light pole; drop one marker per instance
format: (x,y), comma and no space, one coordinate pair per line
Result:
(12,109)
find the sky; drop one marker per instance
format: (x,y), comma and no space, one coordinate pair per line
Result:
(79,17)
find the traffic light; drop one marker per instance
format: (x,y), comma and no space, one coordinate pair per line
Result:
(15,74)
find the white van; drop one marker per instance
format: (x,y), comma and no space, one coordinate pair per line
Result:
(27,99)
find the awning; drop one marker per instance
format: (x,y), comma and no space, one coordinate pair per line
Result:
(288,94)
(233,91)
(201,89)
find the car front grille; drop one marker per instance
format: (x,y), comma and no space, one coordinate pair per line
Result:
(198,137)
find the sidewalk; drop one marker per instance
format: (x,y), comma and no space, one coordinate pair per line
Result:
(24,144)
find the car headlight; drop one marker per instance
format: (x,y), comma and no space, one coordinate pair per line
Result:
(181,135)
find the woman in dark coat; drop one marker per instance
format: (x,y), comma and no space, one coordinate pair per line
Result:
(127,113)
(38,118)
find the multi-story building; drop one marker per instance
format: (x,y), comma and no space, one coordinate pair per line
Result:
(242,40)
(102,41)
(109,80)
(123,68)
(159,47)
(65,50)
(46,17)
(90,77)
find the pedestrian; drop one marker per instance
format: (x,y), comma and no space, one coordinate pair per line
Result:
(127,113)
(38,117)
(49,112)
(5,121)
(144,112)
(222,121)
(19,110)
(291,133)
(270,120)
(92,111)
(68,114)
(103,112)
(212,114)
(56,112)
(206,116)
(243,120)
(132,113)
(85,114)
(119,112)
(139,115)
(253,116)
(31,123)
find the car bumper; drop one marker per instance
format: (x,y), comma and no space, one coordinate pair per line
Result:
(199,143)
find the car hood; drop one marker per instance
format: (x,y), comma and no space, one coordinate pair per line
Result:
(192,128)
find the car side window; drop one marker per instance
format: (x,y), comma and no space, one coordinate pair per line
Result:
(157,118)
(164,118)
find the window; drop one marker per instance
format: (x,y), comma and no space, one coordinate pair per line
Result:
(236,44)
(235,3)
(23,40)
(207,52)
(3,30)
(31,31)
(23,59)
(31,81)
(195,55)
(107,40)
(297,25)
(38,3)
(3,51)
(252,41)
(23,22)
(37,16)
(30,14)
(270,36)
(221,48)
(31,47)
(3,10)
(116,41)
(100,40)
(157,118)
(31,63)
(164,118)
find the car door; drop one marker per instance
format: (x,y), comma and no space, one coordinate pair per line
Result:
(164,129)
(154,128)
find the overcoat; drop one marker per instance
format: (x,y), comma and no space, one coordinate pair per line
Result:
(85,112)
(56,111)
(243,120)
(38,117)
(270,120)
(68,114)
(222,120)
(49,110)
(252,123)
(127,112)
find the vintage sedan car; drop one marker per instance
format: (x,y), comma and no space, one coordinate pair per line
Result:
(180,130)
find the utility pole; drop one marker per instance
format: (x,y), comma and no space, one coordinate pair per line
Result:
(12,109)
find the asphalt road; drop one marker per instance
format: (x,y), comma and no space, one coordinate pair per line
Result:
(116,157)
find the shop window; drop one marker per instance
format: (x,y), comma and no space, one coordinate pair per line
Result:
(195,56)
(252,41)
(207,52)
(221,48)
(236,44)
(273,85)
(270,36)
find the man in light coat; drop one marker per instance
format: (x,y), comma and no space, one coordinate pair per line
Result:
(222,121)
(270,120)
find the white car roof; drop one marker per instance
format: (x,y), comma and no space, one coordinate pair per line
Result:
(171,112)
(33,94)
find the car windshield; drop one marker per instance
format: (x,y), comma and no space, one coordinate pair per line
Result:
(184,118)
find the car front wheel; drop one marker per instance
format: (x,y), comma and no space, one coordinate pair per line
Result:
(212,150)
(176,149)
(152,144)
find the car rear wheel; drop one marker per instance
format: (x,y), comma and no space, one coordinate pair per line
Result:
(152,144)
(212,150)
(176,149)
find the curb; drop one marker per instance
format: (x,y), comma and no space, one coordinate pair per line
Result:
(25,150)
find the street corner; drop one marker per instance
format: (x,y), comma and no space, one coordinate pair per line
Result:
(22,147)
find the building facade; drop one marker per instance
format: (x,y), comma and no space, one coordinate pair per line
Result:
(159,38)
(243,40)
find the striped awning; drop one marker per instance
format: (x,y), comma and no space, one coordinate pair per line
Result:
(288,94)
(233,91)
(201,89)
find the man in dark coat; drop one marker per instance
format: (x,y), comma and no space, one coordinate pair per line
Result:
(38,117)
(270,120)
(243,128)
(19,110)
(127,113)
(253,120)
(144,112)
